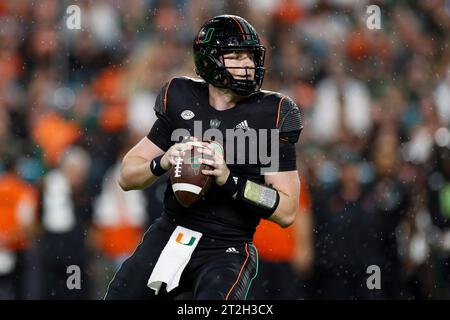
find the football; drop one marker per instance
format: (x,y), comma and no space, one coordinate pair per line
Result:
(188,182)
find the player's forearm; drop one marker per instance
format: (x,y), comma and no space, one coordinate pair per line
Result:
(285,213)
(304,240)
(135,173)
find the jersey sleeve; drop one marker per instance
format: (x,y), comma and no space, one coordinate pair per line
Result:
(161,131)
(289,124)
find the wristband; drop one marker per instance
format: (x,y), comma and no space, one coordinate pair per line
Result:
(232,185)
(155,167)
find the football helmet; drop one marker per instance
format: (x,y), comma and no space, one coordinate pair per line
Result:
(221,35)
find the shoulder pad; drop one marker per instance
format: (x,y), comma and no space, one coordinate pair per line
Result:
(199,80)
(174,92)
(289,120)
(161,99)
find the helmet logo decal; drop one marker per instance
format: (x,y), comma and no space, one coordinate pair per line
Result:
(208,36)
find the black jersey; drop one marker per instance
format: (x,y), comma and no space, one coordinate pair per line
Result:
(183,103)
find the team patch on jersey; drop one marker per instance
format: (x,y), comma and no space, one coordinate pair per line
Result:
(214,123)
(187,114)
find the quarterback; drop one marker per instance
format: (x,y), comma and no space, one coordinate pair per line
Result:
(207,249)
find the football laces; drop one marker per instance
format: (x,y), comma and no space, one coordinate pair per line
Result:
(178,164)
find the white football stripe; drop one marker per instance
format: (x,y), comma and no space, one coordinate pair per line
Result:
(186,187)
(196,144)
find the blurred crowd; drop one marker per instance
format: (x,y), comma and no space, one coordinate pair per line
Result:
(374,157)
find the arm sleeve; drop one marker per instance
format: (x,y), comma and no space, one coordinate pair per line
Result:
(161,131)
(288,158)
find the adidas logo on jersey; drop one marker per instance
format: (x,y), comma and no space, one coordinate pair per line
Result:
(242,125)
(232,250)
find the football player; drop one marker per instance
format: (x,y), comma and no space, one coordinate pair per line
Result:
(229,57)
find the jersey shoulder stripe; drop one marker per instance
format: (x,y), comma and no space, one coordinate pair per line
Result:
(161,103)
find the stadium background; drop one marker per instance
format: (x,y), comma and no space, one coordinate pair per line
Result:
(374,155)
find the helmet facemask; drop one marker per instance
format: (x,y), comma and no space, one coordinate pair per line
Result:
(246,85)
